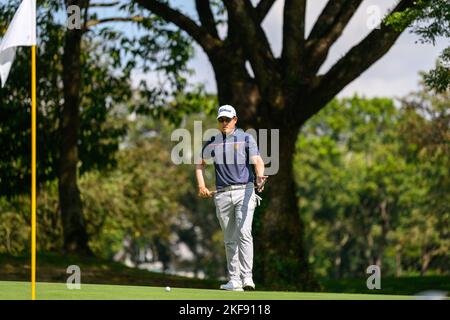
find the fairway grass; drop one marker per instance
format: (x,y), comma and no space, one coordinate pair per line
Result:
(14,290)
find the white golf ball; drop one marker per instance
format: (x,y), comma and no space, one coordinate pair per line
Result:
(168,289)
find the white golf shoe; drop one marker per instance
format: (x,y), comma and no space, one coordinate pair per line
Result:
(248,284)
(232,285)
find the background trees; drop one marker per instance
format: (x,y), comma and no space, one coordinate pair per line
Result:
(363,187)
(367,190)
(83,72)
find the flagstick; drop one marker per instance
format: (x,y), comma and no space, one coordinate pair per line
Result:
(33,172)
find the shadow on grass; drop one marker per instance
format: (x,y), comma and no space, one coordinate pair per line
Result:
(51,267)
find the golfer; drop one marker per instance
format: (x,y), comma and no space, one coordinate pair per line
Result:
(233,152)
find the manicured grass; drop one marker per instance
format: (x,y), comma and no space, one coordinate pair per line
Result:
(58,291)
(51,268)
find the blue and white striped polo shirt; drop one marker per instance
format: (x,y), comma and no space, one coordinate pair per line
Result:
(231,155)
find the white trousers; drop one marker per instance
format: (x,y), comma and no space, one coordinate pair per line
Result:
(234,210)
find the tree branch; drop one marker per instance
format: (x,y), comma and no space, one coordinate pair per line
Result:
(263,8)
(355,62)
(293,38)
(242,14)
(206,17)
(327,29)
(198,33)
(91,23)
(109,4)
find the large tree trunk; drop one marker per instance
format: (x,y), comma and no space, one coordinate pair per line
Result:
(282,252)
(74,229)
(234,85)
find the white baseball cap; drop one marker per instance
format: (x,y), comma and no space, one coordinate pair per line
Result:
(226,111)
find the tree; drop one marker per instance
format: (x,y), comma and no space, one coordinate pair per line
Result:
(85,74)
(432,20)
(350,180)
(98,138)
(425,133)
(283,93)
(75,236)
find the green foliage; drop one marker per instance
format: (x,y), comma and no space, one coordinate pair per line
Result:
(15,222)
(365,200)
(14,229)
(109,55)
(431,20)
(439,77)
(372,184)
(136,200)
(425,132)
(102,88)
(144,202)
(176,109)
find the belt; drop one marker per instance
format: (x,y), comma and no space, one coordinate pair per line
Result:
(240,186)
(234,187)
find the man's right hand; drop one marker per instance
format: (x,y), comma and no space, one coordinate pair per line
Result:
(203,192)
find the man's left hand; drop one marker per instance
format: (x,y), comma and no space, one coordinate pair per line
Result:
(260,183)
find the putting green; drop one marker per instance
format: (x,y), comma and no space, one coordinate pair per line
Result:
(10,290)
